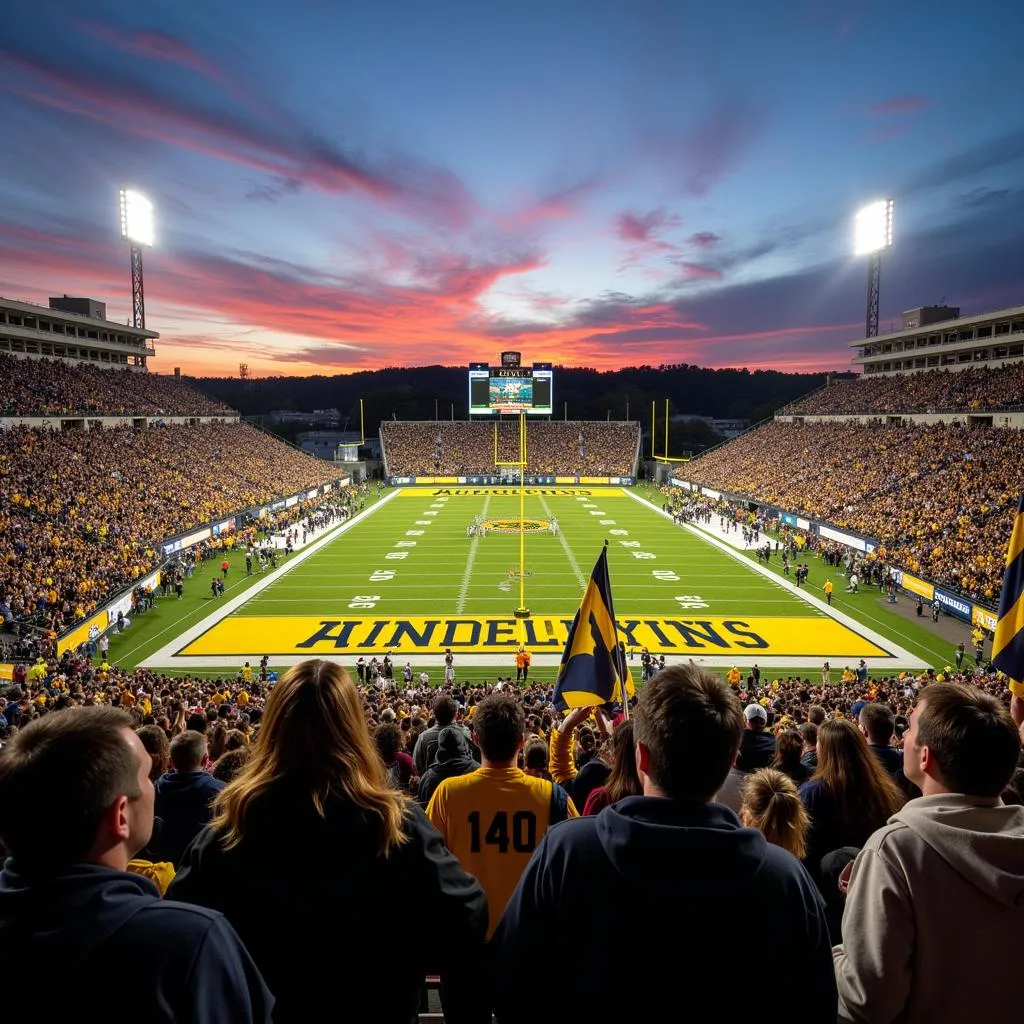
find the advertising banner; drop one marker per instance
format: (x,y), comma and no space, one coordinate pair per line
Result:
(831,533)
(916,586)
(92,626)
(954,605)
(983,617)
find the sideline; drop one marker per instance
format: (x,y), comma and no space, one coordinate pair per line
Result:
(164,656)
(900,657)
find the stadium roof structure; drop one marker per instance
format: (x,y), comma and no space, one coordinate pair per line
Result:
(987,339)
(59,331)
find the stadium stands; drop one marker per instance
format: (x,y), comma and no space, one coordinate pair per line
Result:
(971,390)
(55,387)
(81,511)
(448,448)
(936,496)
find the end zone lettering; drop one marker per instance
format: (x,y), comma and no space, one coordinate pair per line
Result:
(549,491)
(239,636)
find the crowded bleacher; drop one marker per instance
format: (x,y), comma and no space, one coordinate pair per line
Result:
(448,448)
(82,511)
(254,847)
(938,497)
(55,387)
(977,389)
(816,769)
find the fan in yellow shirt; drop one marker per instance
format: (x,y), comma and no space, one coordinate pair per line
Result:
(493,818)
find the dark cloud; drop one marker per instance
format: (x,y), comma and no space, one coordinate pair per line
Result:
(704,239)
(983,159)
(278,188)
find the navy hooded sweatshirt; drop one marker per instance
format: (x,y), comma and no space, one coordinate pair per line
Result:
(654,910)
(452,757)
(86,937)
(184,805)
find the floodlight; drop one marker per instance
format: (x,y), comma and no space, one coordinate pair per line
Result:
(136,218)
(872,233)
(872,227)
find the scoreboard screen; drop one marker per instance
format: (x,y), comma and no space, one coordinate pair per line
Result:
(497,389)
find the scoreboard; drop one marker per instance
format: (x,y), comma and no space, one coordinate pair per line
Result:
(497,389)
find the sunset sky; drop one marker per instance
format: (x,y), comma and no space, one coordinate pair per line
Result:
(346,185)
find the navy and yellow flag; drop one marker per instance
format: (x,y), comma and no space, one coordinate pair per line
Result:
(593,669)
(1008,646)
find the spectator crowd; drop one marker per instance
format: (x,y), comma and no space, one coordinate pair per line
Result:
(976,389)
(56,387)
(939,498)
(877,824)
(81,512)
(553,447)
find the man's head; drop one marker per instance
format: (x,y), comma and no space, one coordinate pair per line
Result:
(755,716)
(188,749)
(498,728)
(444,711)
(809,734)
(878,723)
(75,788)
(816,714)
(960,740)
(687,727)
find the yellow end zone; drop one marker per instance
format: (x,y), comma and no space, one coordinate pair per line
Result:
(547,492)
(742,637)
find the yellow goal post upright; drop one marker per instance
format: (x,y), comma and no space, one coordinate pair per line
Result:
(522,612)
(664,457)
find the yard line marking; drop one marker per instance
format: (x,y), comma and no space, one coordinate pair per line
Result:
(166,653)
(460,604)
(573,564)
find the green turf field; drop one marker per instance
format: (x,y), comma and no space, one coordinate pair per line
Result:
(405,579)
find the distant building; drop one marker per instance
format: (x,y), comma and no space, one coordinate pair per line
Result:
(318,417)
(724,427)
(950,343)
(339,447)
(925,316)
(75,330)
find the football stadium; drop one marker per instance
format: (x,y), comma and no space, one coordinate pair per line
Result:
(497,610)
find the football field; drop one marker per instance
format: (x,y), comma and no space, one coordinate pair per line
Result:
(405,578)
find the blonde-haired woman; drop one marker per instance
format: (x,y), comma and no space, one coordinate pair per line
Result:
(772,805)
(312,858)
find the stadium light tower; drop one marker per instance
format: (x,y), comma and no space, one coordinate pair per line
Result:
(137,229)
(872,232)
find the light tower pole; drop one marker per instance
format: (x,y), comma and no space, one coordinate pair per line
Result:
(137,230)
(872,233)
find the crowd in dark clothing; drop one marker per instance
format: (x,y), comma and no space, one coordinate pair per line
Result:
(291,896)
